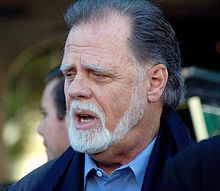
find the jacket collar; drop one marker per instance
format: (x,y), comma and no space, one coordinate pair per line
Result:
(172,137)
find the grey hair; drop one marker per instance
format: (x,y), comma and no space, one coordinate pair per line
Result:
(152,37)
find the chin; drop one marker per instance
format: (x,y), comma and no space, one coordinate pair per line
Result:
(90,141)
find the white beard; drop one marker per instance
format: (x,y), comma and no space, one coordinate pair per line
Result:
(98,139)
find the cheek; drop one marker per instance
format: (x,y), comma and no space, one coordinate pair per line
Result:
(115,103)
(54,133)
(51,122)
(119,91)
(47,128)
(68,101)
(67,97)
(44,125)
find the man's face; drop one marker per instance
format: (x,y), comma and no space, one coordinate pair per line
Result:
(104,94)
(53,130)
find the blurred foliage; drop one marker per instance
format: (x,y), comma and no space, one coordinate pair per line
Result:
(25,89)
(23,96)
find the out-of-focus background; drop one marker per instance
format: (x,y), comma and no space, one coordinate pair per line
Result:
(32,35)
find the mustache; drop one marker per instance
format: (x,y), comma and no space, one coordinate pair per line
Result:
(85,105)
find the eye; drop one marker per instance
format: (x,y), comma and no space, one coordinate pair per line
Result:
(99,75)
(100,78)
(69,76)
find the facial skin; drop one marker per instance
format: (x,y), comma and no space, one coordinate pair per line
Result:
(53,130)
(100,69)
(99,138)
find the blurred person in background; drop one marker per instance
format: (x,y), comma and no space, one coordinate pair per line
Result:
(53,127)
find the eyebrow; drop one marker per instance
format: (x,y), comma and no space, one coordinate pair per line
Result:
(65,67)
(91,67)
(99,69)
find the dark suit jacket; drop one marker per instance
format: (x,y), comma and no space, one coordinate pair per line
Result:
(197,168)
(67,172)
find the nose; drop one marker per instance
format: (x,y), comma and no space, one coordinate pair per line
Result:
(79,88)
(40,129)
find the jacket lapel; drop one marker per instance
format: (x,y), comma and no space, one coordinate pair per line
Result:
(73,179)
(172,137)
(65,174)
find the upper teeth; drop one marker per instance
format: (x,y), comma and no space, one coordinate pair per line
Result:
(83,120)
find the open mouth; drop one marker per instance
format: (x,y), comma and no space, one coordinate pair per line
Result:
(85,119)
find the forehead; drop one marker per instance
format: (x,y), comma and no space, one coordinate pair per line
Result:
(103,38)
(112,26)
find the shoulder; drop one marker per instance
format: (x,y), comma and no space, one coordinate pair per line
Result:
(199,155)
(28,182)
(205,149)
(195,168)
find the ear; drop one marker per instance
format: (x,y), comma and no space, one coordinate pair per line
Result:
(157,76)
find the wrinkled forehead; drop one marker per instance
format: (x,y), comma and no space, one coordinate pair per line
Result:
(112,28)
(104,39)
